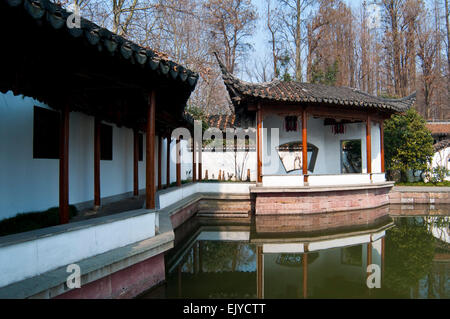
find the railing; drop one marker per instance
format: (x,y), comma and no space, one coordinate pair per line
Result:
(173,195)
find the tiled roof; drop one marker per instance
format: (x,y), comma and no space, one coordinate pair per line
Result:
(441,145)
(439,127)
(298,92)
(223,121)
(46,12)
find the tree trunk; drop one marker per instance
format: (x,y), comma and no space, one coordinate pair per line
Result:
(298,62)
(448,50)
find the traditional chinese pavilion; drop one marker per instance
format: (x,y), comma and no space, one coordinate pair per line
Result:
(319,147)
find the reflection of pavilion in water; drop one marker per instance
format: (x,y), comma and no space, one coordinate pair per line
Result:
(243,262)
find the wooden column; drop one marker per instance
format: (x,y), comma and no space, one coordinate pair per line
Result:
(169,140)
(178,162)
(159,161)
(97,143)
(260,273)
(305,275)
(194,161)
(369,146)
(64,166)
(382,145)
(304,146)
(259,144)
(369,255)
(150,153)
(135,162)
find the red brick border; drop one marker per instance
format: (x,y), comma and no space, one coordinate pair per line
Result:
(320,201)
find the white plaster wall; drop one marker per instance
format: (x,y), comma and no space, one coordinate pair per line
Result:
(286,181)
(25,184)
(35,257)
(442,158)
(224,161)
(340,179)
(28,184)
(329,157)
(174,195)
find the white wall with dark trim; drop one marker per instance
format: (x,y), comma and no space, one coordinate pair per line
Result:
(28,184)
(328,157)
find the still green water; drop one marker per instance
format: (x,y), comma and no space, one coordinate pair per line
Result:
(412,255)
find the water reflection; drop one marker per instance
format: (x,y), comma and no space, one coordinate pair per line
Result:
(412,253)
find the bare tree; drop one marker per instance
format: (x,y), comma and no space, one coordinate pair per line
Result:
(231,22)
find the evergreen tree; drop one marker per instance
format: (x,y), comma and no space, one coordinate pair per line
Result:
(408,143)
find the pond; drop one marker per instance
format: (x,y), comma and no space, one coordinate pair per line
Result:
(241,259)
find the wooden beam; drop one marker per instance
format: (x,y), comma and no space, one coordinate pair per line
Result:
(135,162)
(194,161)
(97,143)
(150,153)
(369,146)
(258,143)
(304,145)
(178,162)
(64,166)
(159,161)
(382,145)
(169,140)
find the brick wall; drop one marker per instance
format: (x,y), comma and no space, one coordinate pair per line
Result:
(319,222)
(320,202)
(408,197)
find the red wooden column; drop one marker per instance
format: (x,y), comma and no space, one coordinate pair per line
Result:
(260,274)
(97,126)
(64,166)
(159,161)
(194,161)
(369,146)
(382,145)
(200,174)
(169,140)
(304,146)
(135,162)
(369,256)
(178,162)
(150,154)
(258,143)
(305,275)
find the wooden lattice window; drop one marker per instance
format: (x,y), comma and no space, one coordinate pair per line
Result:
(46,133)
(106,142)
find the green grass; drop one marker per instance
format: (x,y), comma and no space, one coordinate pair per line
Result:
(445,183)
(32,220)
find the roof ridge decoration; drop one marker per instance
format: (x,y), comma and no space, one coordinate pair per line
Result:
(54,15)
(301,92)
